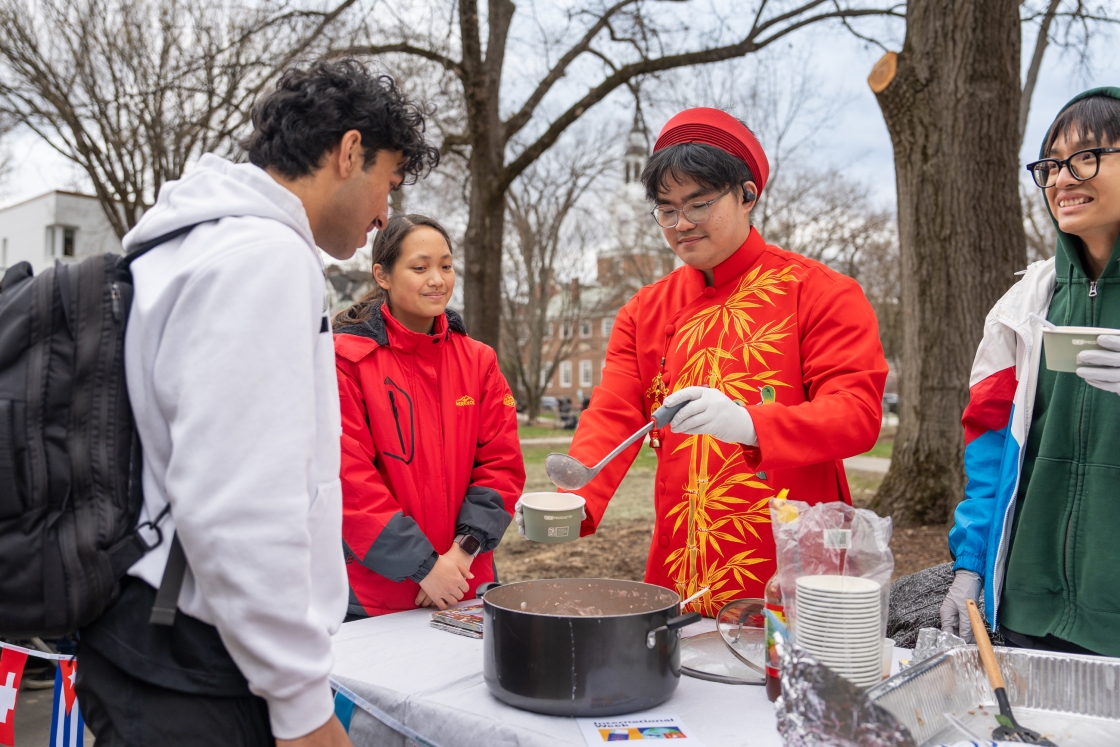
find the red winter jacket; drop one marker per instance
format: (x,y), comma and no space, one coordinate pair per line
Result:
(792,340)
(429,450)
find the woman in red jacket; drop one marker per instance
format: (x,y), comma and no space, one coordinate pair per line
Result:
(431,462)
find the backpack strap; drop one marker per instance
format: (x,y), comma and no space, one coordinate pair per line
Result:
(133,547)
(143,248)
(167,598)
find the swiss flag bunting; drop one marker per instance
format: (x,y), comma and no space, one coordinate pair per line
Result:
(11,672)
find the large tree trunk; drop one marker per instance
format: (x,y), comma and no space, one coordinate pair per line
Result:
(951,103)
(482,83)
(482,290)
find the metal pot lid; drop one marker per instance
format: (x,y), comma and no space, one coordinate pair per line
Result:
(742,625)
(707,657)
(582,597)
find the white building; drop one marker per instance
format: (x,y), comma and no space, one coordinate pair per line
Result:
(63,226)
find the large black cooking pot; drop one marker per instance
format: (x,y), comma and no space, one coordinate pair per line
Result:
(582,646)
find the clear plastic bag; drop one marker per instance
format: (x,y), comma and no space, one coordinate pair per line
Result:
(830,539)
(932,642)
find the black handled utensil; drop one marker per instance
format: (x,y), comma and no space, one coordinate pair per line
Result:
(1009,730)
(569,473)
(675,623)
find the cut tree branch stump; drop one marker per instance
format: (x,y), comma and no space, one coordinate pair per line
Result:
(883,72)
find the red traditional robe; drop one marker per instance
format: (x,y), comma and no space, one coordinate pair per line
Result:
(795,341)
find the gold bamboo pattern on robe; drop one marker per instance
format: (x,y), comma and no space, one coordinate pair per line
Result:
(722,500)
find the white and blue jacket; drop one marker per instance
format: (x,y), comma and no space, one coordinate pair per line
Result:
(996,423)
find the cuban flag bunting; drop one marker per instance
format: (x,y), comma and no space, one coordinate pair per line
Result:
(11,672)
(68,729)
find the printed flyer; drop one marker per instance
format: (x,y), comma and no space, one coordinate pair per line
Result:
(639,727)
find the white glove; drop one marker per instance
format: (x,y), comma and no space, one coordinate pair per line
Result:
(519,517)
(1101,368)
(713,413)
(954,610)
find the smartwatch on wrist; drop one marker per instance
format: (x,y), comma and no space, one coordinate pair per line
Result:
(469,544)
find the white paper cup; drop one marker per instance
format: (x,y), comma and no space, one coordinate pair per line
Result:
(1062,344)
(552,518)
(888,656)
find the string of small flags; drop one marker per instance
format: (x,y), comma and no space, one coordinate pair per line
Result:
(67,727)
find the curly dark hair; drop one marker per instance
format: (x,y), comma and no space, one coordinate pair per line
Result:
(311,109)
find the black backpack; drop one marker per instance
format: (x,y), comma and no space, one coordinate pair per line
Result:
(70,493)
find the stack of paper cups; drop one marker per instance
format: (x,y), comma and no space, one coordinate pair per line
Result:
(838,622)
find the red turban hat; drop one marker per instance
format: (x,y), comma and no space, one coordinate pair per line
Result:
(719,129)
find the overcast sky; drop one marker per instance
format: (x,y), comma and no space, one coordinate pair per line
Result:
(857,138)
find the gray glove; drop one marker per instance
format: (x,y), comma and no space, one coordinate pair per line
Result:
(954,610)
(1101,368)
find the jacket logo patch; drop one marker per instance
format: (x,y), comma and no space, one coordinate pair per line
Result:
(465,401)
(509,401)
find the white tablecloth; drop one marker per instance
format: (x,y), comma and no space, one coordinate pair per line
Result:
(431,681)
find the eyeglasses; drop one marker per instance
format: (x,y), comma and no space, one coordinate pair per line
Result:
(1082,165)
(695,213)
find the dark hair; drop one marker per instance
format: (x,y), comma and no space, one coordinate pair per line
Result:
(706,165)
(1095,119)
(311,109)
(386,252)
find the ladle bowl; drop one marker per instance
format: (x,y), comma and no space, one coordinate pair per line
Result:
(569,473)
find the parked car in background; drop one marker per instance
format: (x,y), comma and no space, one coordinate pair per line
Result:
(890,403)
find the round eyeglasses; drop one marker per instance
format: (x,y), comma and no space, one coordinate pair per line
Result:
(695,212)
(1083,165)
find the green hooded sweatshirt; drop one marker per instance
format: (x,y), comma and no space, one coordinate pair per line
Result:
(1063,572)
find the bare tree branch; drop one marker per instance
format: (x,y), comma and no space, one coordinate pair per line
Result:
(133,91)
(446,62)
(544,251)
(1069,29)
(1040,44)
(747,45)
(514,124)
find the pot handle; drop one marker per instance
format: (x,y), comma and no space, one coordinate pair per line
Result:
(480,592)
(675,623)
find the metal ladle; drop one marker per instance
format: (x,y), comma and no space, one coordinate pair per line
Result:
(569,473)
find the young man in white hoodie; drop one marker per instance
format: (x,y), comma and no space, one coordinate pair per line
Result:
(230,365)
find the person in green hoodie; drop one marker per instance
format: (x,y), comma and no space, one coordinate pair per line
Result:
(1039,529)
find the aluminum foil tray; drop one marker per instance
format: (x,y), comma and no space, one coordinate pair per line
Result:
(1073,700)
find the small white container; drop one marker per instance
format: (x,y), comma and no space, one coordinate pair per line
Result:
(888,656)
(1062,344)
(552,518)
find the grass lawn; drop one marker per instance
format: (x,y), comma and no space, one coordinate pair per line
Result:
(542,431)
(884,448)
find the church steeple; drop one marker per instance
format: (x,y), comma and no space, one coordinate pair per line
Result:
(637,148)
